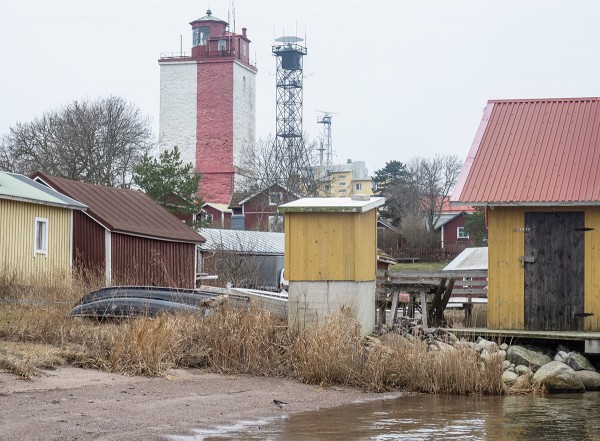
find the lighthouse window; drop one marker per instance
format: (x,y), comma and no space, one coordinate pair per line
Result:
(200,35)
(245,49)
(222,45)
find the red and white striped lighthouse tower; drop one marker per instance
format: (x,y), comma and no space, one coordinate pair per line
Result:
(207,104)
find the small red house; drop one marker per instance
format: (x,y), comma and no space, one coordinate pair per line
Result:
(258,211)
(451,225)
(127,238)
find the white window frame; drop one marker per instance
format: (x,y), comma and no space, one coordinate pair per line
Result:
(461,233)
(358,186)
(43,249)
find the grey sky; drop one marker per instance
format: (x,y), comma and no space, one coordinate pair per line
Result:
(406,78)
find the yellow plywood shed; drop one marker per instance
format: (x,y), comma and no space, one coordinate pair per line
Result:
(592,269)
(506,292)
(17,230)
(506,276)
(331,246)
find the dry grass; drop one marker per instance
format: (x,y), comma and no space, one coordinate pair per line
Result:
(38,334)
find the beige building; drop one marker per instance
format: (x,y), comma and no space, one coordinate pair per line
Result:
(344,180)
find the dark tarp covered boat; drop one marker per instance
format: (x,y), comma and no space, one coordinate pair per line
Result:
(132,301)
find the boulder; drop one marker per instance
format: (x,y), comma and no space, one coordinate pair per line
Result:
(505,364)
(523,382)
(509,377)
(504,346)
(561,356)
(521,370)
(579,363)
(557,376)
(591,380)
(520,355)
(444,347)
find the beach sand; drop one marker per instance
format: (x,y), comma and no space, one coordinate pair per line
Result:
(80,404)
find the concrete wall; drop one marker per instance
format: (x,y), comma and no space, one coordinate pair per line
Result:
(244,111)
(310,301)
(177,118)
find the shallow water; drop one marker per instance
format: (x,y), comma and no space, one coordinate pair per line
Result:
(431,417)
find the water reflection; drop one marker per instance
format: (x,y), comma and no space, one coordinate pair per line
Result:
(429,417)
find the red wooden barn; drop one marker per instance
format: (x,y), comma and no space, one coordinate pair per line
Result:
(127,238)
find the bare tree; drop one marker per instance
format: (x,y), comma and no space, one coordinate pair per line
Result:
(263,166)
(98,142)
(434,178)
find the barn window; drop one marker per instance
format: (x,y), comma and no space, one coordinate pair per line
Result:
(40,236)
(275,197)
(461,233)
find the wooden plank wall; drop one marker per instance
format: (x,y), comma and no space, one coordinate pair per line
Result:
(330,246)
(17,240)
(506,275)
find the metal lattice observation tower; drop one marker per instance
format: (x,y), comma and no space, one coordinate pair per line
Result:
(291,156)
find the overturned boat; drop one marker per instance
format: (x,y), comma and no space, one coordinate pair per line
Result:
(133,301)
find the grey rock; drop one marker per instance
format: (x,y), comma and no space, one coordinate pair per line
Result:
(444,347)
(562,348)
(520,369)
(579,363)
(505,364)
(591,380)
(511,368)
(509,377)
(523,382)
(557,376)
(561,356)
(520,355)
(504,346)
(453,338)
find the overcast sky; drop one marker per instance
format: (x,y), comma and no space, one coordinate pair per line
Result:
(405,78)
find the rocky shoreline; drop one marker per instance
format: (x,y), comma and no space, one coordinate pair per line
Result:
(560,370)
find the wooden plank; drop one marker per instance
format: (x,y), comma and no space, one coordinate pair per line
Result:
(394,309)
(423,307)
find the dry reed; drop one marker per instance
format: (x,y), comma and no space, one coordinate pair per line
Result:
(248,341)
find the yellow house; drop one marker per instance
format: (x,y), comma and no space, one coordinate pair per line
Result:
(344,180)
(534,166)
(330,258)
(35,230)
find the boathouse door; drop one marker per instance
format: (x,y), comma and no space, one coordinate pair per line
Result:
(554,265)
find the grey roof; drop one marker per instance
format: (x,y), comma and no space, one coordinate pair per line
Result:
(338,205)
(445,218)
(209,17)
(475,258)
(241,241)
(20,188)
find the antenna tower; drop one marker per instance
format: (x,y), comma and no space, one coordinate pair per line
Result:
(291,155)
(326,147)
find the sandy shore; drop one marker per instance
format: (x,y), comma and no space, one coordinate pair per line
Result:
(77,404)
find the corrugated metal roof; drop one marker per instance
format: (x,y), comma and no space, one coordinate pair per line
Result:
(534,152)
(125,211)
(18,187)
(469,259)
(339,205)
(241,241)
(445,218)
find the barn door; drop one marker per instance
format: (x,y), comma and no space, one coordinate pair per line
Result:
(554,265)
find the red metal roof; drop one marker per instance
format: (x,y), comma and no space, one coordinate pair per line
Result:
(124,211)
(534,152)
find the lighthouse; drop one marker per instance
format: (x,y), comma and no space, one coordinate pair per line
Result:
(207,105)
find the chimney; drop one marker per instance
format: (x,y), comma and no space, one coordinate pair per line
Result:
(244,31)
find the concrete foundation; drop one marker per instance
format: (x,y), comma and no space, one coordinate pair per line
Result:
(312,301)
